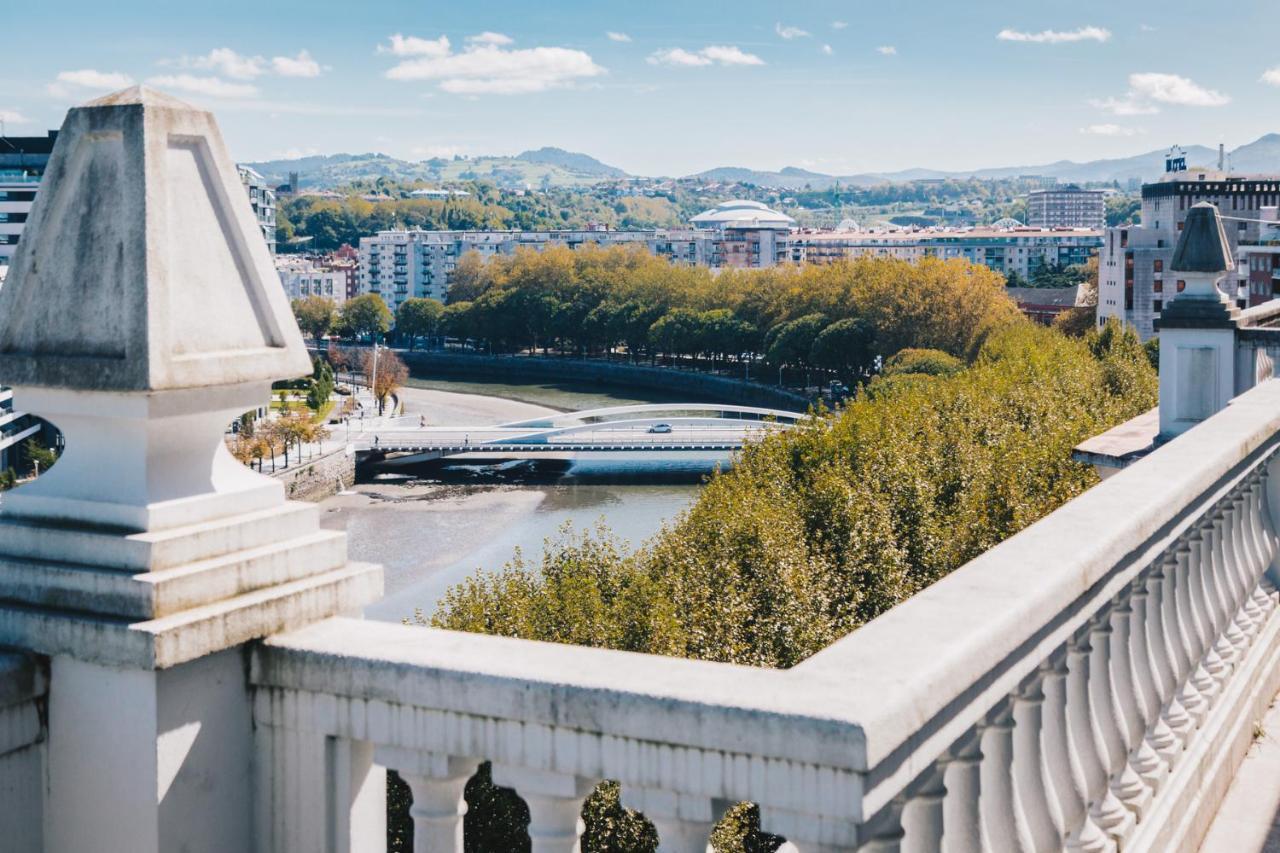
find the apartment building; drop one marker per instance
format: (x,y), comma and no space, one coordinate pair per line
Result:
(262,198)
(1134,274)
(1066,207)
(22,163)
(401,264)
(746,235)
(1006,251)
(302,277)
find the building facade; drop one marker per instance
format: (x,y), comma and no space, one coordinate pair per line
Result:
(1134,284)
(262,198)
(1066,207)
(22,163)
(302,277)
(1017,250)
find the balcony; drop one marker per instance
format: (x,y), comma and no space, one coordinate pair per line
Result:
(181,676)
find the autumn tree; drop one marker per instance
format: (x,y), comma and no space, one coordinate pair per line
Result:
(386,377)
(315,315)
(417,317)
(366,316)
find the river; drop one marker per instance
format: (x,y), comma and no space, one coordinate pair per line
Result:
(433,530)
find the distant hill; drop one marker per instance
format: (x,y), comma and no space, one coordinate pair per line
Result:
(557,167)
(572,161)
(544,167)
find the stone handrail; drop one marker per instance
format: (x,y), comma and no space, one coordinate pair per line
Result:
(1089,683)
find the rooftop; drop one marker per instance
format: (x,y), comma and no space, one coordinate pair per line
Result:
(743,213)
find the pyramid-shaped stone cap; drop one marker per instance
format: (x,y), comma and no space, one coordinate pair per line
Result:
(1202,246)
(142,266)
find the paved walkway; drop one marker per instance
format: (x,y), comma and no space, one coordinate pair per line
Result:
(1249,819)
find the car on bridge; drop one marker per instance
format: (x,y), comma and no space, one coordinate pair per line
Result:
(660,428)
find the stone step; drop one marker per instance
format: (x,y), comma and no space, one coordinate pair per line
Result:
(149,595)
(191,634)
(111,548)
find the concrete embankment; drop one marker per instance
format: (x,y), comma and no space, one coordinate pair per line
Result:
(687,385)
(319,478)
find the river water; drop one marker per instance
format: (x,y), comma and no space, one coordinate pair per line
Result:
(434,529)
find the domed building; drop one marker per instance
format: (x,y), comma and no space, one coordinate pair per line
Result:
(749,234)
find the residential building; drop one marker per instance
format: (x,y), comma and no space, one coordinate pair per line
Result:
(1134,284)
(303,277)
(1043,304)
(16,428)
(22,163)
(263,201)
(1014,250)
(401,264)
(1066,207)
(746,234)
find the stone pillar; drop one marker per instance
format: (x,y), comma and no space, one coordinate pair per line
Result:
(555,805)
(142,313)
(1197,328)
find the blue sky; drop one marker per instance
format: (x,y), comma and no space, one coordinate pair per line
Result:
(661,87)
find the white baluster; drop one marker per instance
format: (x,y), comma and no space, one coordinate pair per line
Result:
(1157,733)
(1231,640)
(1259,522)
(1002,830)
(684,822)
(883,833)
(1179,623)
(922,815)
(1031,785)
(961,810)
(1121,781)
(1238,571)
(1061,763)
(437,785)
(1084,749)
(1164,676)
(1206,602)
(555,805)
(1140,757)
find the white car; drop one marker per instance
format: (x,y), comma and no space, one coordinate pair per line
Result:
(660,428)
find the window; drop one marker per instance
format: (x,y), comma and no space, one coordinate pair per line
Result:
(1157,305)
(1182,285)
(1157,265)
(1158,286)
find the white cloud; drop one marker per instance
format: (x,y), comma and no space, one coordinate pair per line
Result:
(729,55)
(1271,76)
(839,25)
(413,46)
(1056,36)
(224,60)
(1173,89)
(301,65)
(887,50)
(487,37)
(1148,90)
(622,37)
(789,33)
(88,78)
(13,117)
(295,153)
(1110,130)
(826,48)
(486,68)
(1126,106)
(213,87)
(677,56)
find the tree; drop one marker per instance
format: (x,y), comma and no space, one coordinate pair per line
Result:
(417,318)
(926,362)
(471,278)
(390,374)
(792,342)
(367,315)
(315,315)
(38,457)
(846,347)
(321,384)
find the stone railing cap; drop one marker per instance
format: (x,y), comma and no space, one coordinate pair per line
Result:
(142,266)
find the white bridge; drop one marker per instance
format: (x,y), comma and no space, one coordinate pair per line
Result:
(681,427)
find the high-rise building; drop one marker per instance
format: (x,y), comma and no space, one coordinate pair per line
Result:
(1066,207)
(1019,250)
(1135,280)
(22,163)
(263,201)
(302,277)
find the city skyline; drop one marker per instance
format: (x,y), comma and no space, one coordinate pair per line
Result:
(835,87)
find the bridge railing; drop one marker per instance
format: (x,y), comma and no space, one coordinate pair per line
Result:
(1089,683)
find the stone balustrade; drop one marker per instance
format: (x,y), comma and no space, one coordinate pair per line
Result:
(1089,684)
(23,691)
